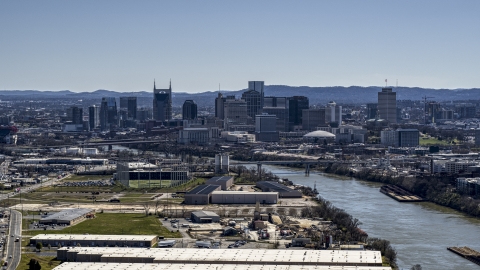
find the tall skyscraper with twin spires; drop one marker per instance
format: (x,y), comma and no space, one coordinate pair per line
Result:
(162,103)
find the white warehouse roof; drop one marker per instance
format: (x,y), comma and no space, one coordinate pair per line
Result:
(169,266)
(222,256)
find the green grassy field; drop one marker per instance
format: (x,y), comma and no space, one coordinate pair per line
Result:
(83,194)
(46,262)
(119,223)
(74,177)
(424,141)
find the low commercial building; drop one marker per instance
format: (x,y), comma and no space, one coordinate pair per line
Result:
(192,256)
(66,161)
(244,197)
(193,135)
(68,216)
(205,217)
(469,186)
(283,191)
(140,174)
(238,136)
(400,137)
(72,240)
(224,181)
(201,194)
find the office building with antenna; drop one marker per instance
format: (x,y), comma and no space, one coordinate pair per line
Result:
(387,105)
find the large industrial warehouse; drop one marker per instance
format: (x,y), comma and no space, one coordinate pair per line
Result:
(95,240)
(187,256)
(283,191)
(244,197)
(181,266)
(68,216)
(224,181)
(201,194)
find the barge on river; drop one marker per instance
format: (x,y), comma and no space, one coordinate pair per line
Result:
(400,194)
(466,252)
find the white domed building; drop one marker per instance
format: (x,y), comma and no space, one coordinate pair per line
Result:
(319,136)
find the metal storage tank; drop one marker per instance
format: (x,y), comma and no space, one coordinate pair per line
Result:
(218,163)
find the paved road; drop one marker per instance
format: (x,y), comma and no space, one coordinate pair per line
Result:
(27,189)
(14,248)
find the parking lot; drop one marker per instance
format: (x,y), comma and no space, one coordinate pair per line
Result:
(90,183)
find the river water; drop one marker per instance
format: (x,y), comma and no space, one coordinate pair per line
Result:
(419,232)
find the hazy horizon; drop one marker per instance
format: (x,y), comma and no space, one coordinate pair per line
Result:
(124,45)
(234,90)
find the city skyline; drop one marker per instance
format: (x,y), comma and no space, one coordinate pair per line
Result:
(122,46)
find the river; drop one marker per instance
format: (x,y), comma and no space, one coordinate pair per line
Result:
(419,232)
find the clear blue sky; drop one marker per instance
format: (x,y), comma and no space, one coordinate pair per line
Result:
(123,45)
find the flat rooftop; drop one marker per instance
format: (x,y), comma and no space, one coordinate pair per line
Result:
(203,189)
(238,256)
(220,179)
(169,266)
(141,165)
(203,213)
(222,192)
(68,214)
(274,186)
(93,237)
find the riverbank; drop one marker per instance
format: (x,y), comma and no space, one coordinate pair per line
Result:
(420,232)
(436,189)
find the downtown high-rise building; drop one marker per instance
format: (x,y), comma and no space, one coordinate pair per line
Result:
(128,105)
(371,112)
(254,97)
(313,118)
(235,112)
(387,105)
(296,105)
(259,87)
(75,115)
(189,110)
(108,113)
(333,114)
(93,117)
(278,106)
(254,103)
(162,103)
(219,106)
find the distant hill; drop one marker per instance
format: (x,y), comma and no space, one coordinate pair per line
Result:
(317,95)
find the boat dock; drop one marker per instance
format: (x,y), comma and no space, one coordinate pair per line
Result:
(400,194)
(466,252)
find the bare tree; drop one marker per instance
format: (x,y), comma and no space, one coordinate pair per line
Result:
(416,267)
(146,208)
(157,205)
